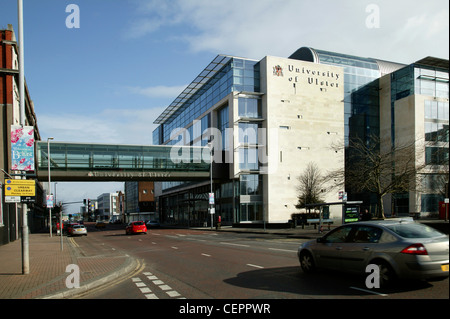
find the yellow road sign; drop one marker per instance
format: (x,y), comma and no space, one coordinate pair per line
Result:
(20,187)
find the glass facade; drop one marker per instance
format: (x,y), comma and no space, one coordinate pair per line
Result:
(223,122)
(235,75)
(432,82)
(357,73)
(194,117)
(427,77)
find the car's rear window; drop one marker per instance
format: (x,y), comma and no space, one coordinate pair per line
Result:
(414,230)
(138,223)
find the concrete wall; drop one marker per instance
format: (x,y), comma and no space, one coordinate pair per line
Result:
(304,111)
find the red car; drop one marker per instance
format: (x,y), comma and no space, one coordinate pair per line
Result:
(136,228)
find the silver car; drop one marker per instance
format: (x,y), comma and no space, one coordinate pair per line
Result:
(78,230)
(401,249)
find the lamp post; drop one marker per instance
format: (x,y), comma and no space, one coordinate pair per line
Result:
(49,188)
(60,221)
(25,237)
(211,196)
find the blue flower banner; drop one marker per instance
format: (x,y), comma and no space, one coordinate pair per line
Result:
(22,148)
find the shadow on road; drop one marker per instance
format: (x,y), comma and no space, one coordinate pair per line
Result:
(291,280)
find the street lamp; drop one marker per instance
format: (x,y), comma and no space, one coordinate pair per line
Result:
(49,188)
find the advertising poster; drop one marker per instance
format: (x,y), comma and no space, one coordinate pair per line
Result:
(351,214)
(22,148)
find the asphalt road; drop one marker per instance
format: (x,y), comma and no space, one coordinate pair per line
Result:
(194,264)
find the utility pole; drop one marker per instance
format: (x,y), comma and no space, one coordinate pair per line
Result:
(25,243)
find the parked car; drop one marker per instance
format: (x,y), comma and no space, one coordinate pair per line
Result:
(402,249)
(152,224)
(78,230)
(136,228)
(100,224)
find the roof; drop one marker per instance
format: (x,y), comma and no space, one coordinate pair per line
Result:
(434,62)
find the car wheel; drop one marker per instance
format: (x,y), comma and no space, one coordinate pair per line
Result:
(387,274)
(307,262)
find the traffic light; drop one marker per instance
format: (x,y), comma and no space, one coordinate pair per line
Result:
(89,205)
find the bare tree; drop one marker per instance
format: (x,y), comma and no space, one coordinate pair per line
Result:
(309,188)
(378,170)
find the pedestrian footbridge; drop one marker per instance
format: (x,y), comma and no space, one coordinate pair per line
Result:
(105,162)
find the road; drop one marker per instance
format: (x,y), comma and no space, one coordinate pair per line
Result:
(203,264)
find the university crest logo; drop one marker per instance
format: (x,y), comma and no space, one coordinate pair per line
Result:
(278,70)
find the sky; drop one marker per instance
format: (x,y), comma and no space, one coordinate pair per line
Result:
(104,72)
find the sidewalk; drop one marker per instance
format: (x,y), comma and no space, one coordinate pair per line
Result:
(47,277)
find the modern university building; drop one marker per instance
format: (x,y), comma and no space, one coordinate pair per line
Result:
(267,120)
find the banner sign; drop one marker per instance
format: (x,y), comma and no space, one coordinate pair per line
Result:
(22,148)
(49,201)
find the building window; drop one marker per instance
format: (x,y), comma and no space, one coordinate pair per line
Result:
(222,125)
(436,155)
(251,212)
(248,133)
(436,110)
(248,159)
(249,107)
(250,184)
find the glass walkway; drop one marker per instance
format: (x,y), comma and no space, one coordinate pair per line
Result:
(106,162)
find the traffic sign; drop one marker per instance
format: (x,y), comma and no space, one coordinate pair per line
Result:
(20,187)
(12,199)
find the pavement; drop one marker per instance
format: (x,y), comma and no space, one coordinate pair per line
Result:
(48,264)
(98,266)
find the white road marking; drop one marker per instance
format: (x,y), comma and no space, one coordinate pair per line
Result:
(206,255)
(173,293)
(233,244)
(256,266)
(145,290)
(370,291)
(165,287)
(288,250)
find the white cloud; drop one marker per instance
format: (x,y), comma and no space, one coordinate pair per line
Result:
(409,30)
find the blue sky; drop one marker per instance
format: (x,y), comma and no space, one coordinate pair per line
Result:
(129,59)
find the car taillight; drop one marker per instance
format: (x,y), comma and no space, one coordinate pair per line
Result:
(415,249)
